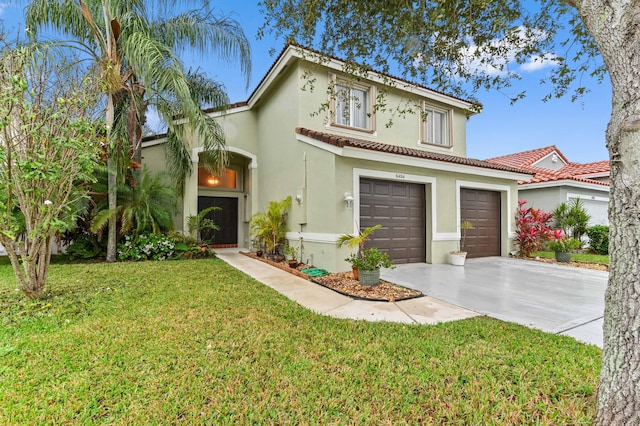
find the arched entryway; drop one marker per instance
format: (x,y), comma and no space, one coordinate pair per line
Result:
(230,190)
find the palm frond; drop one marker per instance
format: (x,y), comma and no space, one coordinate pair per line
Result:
(178,159)
(202,32)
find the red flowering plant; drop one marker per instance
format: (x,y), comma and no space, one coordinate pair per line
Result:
(532,228)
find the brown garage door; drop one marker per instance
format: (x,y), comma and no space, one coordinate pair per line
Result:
(400,208)
(482,209)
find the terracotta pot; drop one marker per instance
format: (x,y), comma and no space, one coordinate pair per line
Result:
(354,271)
(293,264)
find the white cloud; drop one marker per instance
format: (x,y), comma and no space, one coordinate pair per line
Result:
(498,57)
(537,63)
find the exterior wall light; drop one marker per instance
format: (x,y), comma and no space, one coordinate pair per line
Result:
(348,199)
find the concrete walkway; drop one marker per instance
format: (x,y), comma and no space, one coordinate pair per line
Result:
(423,310)
(557,299)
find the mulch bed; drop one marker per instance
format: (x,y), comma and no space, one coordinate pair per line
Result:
(343,283)
(574,263)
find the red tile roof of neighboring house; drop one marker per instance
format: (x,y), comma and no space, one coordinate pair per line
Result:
(528,158)
(580,169)
(571,171)
(342,141)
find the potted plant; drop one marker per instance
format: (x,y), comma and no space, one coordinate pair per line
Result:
(459,256)
(290,253)
(368,263)
(562,247)
(270,227)
(352,241)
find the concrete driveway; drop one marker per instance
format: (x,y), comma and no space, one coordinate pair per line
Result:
(557,299)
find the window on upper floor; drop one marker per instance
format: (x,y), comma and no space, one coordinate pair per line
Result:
(435,127)
(352,105)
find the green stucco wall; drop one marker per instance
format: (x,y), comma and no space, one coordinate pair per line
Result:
(276,162)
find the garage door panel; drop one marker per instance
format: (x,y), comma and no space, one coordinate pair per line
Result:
(382,212)
(482,209)
(400,232)
(400,208)
(400,212)
(399,190)
(381,190)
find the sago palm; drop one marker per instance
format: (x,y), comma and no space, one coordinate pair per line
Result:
(133,49)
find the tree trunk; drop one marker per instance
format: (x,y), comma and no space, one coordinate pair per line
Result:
(615,27)
(112,182)
(30,263)
(36,265)
(112,196)
(135,120)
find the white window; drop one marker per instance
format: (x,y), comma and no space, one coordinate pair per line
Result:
(352,106)
(435,127)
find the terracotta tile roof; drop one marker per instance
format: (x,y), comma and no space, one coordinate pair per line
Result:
(342,141)
(580,169)
(571,171)
(546,175)
(527,158)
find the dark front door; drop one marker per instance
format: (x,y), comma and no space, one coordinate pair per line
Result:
(226,219)
(482,209)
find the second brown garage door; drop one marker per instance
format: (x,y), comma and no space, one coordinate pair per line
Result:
(400,208)
(482,209)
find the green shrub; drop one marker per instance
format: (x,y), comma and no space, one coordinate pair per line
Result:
(187,247)
(83,247)
(370,259)
(564,245)
(146,247)
(270,226)
(599,239)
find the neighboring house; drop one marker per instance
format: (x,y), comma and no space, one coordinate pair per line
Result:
(557,180)
(344,168)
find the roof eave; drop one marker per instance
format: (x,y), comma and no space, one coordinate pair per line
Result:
(292,53)
(564,182)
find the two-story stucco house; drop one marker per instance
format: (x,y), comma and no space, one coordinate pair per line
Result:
(344,168)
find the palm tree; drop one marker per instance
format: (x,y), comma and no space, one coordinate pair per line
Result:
(134,53)
(146,207)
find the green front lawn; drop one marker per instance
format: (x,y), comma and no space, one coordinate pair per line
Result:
(580,257)
(197,342)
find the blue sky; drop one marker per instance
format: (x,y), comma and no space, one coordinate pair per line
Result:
(576,128)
